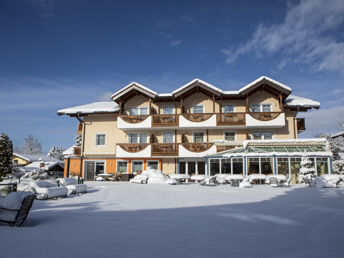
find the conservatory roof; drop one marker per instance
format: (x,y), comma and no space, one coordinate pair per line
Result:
(287,149)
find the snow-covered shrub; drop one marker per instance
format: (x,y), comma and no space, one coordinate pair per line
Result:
(338,166)
(78,140)
(307,169)
(6,151)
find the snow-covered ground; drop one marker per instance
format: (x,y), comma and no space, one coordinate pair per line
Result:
(130,220)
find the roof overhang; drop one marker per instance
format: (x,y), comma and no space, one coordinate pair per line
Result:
(133,87)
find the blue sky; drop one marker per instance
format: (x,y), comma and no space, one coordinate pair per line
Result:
(56,54)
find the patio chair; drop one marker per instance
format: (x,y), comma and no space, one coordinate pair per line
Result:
(274,182)
(46,190)
(234,182)
(210,181)
(15,208)
(72,185)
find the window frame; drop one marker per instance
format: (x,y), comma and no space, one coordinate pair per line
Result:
(228,104)
(261,107)
(139,111)
(139,137)
(197,105)
(100,145)
(168,132)
(168,106)
(262,134)
(132,165)
(126,161)
(227,131)
(193,136)
(148,161)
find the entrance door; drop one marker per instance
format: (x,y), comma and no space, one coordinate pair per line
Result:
(191,168)
(90,170)
(201,167)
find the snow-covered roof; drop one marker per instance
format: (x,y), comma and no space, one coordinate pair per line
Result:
(47,165)
(34,158)
(296,101)
(69,151)
(95,107)
(288,141)
(191,84)
(253,84)
(337,134)
(136,86)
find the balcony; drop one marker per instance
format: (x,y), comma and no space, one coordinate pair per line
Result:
(204,120)
(194,150)
(301,126)
(197,120)
(164,149)
(139,150)
(265,119)
(134,122)
(165,120)
(77,151)
(220,148)
(228,119)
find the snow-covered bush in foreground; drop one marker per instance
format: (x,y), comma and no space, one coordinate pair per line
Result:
(307,170)
(338,166)
(152,176)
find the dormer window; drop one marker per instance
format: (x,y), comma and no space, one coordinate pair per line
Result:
(138,111)
(261,108)
(228,108)
(198,109)
(168,110)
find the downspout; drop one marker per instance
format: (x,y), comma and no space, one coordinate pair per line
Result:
(82,143)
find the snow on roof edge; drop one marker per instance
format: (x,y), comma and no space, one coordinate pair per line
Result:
(94,107)
(297,101)
(132,84)
(246,142)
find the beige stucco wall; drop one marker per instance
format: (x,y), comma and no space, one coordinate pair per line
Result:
(263,97)
(199,99)
(98,124)
(168,166)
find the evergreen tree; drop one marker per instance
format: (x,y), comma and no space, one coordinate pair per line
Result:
(307,169)
(32,146)
(6,151)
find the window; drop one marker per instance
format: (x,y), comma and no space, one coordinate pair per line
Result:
(261,108)
(198,136)
(198,109)
(137,166)
(138,111)
(100,139)
(255,108)
(167,110)
(122,166)
(228,108)
(266,108)
(229,136)
(153,164)
(168,137)
(262,135)
(137,138)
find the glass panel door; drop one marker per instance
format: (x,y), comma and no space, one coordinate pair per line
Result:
(201,167)
(90,170)
(191,168)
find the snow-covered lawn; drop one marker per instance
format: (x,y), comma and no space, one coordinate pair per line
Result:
(131,220)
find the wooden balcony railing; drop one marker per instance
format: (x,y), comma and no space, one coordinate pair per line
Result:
(134,119)
(165,120)
(264,116)
(231,119)
(301,126)
(197,117)
(77,151)
(164,149)
(198,147)
(133,147)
